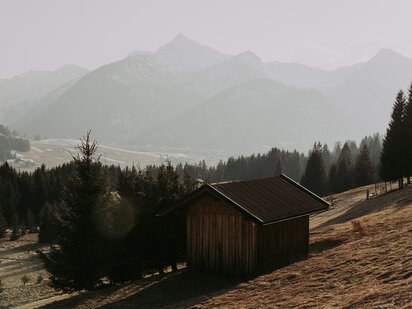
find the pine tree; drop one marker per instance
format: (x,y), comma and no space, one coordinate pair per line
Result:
(392,156)
(278,168)
(79,259)
(39,194)
(363,172)
(49,224)
(344,176)
(408,135)
(314,177)
(337,149)
(326,156)
(333,182)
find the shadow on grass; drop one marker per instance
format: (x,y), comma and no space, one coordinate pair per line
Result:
(324,245)
(23,248)
(372,205)
(179,289)
(22,270)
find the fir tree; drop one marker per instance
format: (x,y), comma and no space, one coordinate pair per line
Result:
(79,259)
(49,224)
(278,168)
(314,177)
(333,181)
(408,135)
(344,176)
(392,165)
(363,172)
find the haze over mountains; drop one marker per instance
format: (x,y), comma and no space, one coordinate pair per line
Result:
(187,95)
(23,92)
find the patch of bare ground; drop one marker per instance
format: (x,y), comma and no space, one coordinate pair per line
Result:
(22,273)
(360,257)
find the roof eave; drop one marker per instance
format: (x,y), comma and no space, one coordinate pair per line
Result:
(295,217)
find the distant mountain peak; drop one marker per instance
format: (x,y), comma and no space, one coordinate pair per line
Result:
(180,41)
(185,54)
(249,57)
(388,53)
(181,37)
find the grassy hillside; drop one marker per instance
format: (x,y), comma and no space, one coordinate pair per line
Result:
(360,257)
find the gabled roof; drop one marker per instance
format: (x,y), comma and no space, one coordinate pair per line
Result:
(267,200)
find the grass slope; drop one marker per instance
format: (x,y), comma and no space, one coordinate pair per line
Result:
(362,265)
(349,267)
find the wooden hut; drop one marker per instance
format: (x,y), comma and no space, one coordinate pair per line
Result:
(247,228)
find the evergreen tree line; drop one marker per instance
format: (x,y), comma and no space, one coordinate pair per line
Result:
(10,141)
(25,198)
(344,168)
(390,161)
(323,171)
(272,163)
(392,164)
(101,221)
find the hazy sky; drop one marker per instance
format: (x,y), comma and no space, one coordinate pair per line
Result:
(45,34)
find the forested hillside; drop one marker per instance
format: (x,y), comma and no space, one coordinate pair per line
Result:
(10,141)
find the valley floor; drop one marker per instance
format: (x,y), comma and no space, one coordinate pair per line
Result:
(360,257)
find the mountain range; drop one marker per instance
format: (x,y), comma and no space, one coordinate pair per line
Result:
(189,96)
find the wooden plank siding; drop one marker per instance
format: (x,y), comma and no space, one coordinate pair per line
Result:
(222,239)
(282,243)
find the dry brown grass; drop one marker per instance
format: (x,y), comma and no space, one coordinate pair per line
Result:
(373,271)
(367,264)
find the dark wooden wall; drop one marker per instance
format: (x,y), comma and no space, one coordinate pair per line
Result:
(282,243)
(221,239)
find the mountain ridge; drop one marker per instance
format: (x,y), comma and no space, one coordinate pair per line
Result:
(143,92)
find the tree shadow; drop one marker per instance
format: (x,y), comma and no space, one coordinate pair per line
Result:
(22,270)
(372,205)
(23,248)
(179,289)
(403,203)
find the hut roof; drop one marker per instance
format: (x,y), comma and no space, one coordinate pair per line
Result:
(267,200)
